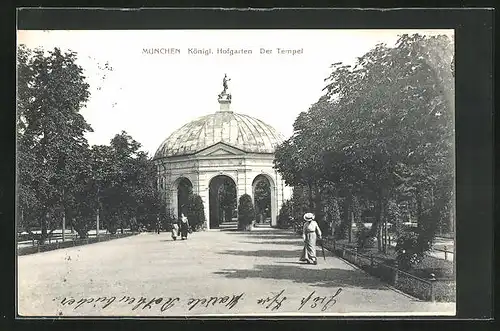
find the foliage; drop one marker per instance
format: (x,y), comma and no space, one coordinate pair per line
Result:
(50,136)
(333,218)
(409,250)
(185,190)
(300,203)
(382,132)
(196,212)
(59,175)
(364,239)
(263,198)
(227,199)
(246,212)
(125,180)
(285,218)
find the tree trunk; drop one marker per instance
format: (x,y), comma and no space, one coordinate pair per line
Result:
(43,228)
(352,221)
(311,201)
(63,226)
(318,205)
(418,197)
(347,216)
(385,231)
(381,222)
(97,222)
(451,226)
(356,212)
(379,237)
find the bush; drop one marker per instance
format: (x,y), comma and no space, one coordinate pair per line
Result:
(196,212)
(410,250)
(285,219)
(246,212)
(168,218)
(82,226)
(363,238)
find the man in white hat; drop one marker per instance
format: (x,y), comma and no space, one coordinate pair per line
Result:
(310,232)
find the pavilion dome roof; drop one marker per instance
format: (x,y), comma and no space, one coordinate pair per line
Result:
(237,130)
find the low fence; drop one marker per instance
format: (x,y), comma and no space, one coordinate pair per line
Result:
(447,253)
(425,289)
(36,248)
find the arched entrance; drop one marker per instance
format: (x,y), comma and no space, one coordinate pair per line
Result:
(222,200)
(184,190)
(263,193)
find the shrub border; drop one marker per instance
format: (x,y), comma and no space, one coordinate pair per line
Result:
(428,290)
(70,243)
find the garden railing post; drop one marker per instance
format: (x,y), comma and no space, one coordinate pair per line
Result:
(396,273)
(432,281)
(371,259)
(445,253)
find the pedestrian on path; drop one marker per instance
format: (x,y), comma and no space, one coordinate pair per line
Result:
(184,227)
(310,232)
(175,230)
(158,225)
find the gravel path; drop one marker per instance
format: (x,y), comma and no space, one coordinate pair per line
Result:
(213,272)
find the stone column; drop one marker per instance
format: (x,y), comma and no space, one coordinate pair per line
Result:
(204,194)
(274,205)
(278,198)
(174,204)
(241,184)
(203,191)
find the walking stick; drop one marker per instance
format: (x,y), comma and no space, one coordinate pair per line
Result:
(322,249)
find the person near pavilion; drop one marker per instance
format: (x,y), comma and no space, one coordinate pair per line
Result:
(184,227)
(310,232)
(175,230)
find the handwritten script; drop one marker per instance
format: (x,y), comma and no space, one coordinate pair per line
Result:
(272,302)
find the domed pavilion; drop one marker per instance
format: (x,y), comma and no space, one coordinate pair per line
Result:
(219,149)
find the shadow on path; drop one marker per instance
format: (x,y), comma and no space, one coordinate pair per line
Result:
(258,233)
(331,277)
(266,253)
(278,241)
(270,237)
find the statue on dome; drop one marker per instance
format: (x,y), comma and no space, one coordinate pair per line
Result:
(224,95)
(224,83)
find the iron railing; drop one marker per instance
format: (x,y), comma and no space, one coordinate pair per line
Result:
(421,288)
(37,248)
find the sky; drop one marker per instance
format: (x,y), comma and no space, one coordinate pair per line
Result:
(151,95)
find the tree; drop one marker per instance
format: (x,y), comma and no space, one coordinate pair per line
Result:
(145,192)
(196,212)
(227,199)
(403,94)
(285,217)
(263,198)
(383,131)
(125,180)
(246,212)
(185,190)
(51,143)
